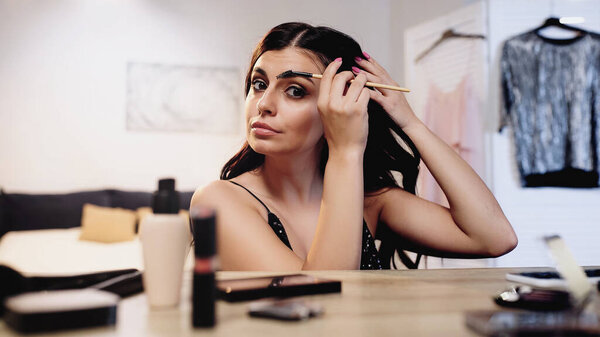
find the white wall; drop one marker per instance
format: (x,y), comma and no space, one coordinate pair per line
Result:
(63,84)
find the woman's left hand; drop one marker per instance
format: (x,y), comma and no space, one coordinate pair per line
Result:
(393,102)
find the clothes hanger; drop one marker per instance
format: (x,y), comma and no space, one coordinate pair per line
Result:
(447,34)
(555,22)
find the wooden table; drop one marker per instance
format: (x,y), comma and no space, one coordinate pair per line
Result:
(372,303)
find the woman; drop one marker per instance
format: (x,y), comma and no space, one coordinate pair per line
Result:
(319,162)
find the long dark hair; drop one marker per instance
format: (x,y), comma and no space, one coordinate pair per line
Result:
(384,153)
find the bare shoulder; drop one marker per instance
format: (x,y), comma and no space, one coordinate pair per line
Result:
(245,241)
(212,193)
(209,195)
(220,194)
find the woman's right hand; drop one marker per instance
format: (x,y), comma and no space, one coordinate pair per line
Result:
(344,110)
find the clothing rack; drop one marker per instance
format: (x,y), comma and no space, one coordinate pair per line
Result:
(447,34)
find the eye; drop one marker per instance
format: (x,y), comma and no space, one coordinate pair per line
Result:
(295,92)
(258,85)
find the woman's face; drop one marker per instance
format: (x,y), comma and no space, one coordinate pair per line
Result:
(281,114)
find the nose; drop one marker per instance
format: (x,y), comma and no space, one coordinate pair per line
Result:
(266,104)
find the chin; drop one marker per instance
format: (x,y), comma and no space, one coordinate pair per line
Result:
(261,148)
(268,152)
(271,151)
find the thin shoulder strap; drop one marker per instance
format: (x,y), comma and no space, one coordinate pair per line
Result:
(272,219)
(252,194)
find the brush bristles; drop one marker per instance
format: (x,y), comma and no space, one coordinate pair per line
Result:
(291,73)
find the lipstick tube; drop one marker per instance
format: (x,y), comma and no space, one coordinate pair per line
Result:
(205,249)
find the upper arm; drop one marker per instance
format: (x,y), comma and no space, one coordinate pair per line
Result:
(425,227)
(245,241)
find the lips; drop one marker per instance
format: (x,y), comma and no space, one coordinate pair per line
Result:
(263,127)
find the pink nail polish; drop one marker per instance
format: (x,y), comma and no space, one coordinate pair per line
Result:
(356,70)
(357,59)
(339,59)
(367,56)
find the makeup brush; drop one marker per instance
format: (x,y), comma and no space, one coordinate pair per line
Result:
(292,73)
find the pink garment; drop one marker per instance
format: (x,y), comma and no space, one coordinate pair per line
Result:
(455,118)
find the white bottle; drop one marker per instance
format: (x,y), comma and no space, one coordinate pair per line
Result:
(165,237)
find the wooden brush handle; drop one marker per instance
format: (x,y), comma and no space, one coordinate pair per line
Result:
(385,86)
(374,85)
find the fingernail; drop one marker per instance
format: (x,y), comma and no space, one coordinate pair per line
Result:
(357,59)
(356,70)
(339,59)
(367,56)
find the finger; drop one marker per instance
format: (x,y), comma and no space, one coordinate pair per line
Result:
(368,66)
(356,87)
(372,66)
(370,77)
(377,97)
(363,98)
(338,86)
(374,79)
(328,75)
(373,63)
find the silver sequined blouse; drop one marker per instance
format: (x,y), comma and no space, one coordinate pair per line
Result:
(552,101)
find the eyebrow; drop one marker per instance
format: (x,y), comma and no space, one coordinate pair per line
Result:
(260,71)
(264,73)
(290,74)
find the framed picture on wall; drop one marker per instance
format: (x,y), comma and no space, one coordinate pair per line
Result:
(181,98)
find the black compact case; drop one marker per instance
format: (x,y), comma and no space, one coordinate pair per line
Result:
(275,286)
(56,310)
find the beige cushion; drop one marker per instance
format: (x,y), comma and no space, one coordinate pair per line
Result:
(106,224)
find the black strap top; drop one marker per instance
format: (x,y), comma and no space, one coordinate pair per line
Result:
(369,259)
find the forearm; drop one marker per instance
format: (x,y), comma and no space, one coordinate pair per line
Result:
(472,205)
(473,208)
(338,237)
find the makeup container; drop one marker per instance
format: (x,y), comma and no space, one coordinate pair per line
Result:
(165,238)
(205,248)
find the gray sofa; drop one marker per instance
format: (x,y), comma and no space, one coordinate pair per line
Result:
(46,211)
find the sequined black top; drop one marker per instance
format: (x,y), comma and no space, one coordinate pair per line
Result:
(370,258)
(552,102)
